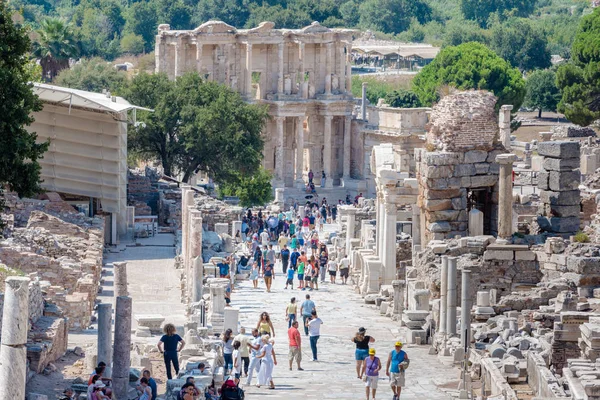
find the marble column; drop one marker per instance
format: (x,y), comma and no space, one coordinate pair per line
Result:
(105,336)
(13,350)
(504,124)
(451,297)
(465,309)
(179,56)
(327,164)
(120,279)
(184,222)
(328,67)
(199,56)
(379,239)
(350,227)
(195,247)
(416,225)
(160,54)
(279,170)
(443,294)
(389,243)
(342,67)
(302,85)
(198,280)
(248,69)
(300,152)
(363,103)
(347,147)
(280,48)
(122,348)
(349,68)
(398,286)
(189,201)
(505,194)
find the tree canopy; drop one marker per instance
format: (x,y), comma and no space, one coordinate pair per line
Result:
(579,80)
(392,16)
(542,92)
(196,126)
(252,190)
(470,66)
(480,10)
(54,46)
(93,75)
(402,99)
(19,167)
(521,44)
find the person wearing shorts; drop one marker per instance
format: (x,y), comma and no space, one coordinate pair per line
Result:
(290,278)
(396,365)
(362,348)
(295,339)
(307,277)
(370,371)
(332,267)
(300,275)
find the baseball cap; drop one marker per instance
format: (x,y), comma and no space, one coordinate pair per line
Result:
(371,351)
(361,329)
(398,344)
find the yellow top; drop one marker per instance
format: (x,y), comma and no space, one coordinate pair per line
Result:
(291,308)
(264,327)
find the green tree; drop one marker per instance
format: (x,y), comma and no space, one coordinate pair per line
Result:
(142,20)
(196,126)
(579,80)
(470,66)
(232,12)
(98,36)
(54,46)
(402,99)
(132,44)
(92,75)
(350,14)
(392,16)
(542,92)
(19,167)
(252,190)
(463,31)
(480,10)
(521,44)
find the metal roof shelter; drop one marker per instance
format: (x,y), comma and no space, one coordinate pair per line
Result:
(88,146)
(405,50)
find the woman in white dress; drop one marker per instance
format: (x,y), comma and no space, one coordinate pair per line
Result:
(265,376)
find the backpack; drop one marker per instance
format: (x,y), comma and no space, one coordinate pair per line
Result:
(230,391)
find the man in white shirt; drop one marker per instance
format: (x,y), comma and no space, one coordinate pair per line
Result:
(244,350)
(264,237)
(344,269)
(314,332)
(255,350)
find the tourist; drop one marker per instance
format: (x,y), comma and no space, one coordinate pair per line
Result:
(203,370)
(144,387)
(255,347)
(305,225)
(265,326)
(151,384)
(254,274)
(244,352)
(227,341)
(68,394)
(314,283)
(332,267)
(223,266)
(264,237)
(344,269)
(308,272)
(311,176)
(294,244)
(323,179)
(323,259)
(291,312)
(396,365)
(282,241)
(284,254)
(306,309)
(362,348)
(92,385)
(228,295)
(301,267)
(292,227)
(271,256)
(188,391)
(237,362)
(314,244)
(97,391)
(294,257)
(169,345)
(269,275)
(258,258)
(290,278)
(267,356)
(314,332)
(334,212)
(370,369)
(295,345)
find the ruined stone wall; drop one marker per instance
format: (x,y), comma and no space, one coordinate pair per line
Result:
(169,212)
(215,212)
(142,193)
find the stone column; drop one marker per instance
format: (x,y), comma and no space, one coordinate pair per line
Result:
(120,278)
(451,297)
(302,85)
(13,350)
(122,348)
(504,124)
(416,225)
(190,206)
(398,299)
(279,149)
(347,147)
(505,201)
(328,67)
(179,56)
(389,243)
(280,48)
(105,336)
(363,103)
(159,54)
(379,239)
(198,56)
(443,294)
(300,152)
(342,67)
(195,246)
(248,69)
(198,280)
(327,151)
(184,222)
(350,223)
(465,309)
(349,67)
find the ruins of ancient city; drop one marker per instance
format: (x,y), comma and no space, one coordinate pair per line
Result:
(477,251)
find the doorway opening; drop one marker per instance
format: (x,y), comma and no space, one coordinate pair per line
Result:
(481,199)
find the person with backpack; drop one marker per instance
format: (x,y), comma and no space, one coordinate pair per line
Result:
(231,391)
(396,365)
(370,370)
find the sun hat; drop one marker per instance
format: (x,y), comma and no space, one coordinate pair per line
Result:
(361,329)
(371,351)
(99,385)
(398,344)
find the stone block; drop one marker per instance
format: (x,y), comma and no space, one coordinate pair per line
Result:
(482,168)
(475,156)
(584,265)
(499,255)
(439,158)
(564,181)
(559,225)
(555,198)
(560,164)
(483,180)
(445,215)
(464,170)
(36,396)
(559,149)
(441,194)
(564,211)
(438,205)
(444,171)
(459,203)
(524,256)
(543,178)
(439,227)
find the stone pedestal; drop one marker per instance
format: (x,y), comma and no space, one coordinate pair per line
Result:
(465,309)
(198,280)
(217,307)
(475,222)
(451,297)
(350,213)
(236,226)
(398,286)
(221,228)
(13,350)
(120,274)
(122,348)
(504,125)
(279,195)
(484,309)
(389,245)
(505,188)
(105,337)
(230,319)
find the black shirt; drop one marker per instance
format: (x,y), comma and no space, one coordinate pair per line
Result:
(170,342)
(364,344)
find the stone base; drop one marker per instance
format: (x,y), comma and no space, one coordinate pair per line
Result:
(415,336)
(143,331)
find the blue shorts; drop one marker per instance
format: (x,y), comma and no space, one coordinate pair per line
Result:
(361,354)
(300,277)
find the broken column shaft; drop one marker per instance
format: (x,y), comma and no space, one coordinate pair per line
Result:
(105,337)
(122,348)
(451,297)
(465,309)
(120,275)
(443,294)
(198,278)
(505,202)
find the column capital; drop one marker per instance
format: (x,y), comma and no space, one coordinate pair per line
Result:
(279,118)
(505,159)
(248,46)
(390,207)
(398,283)
(328,116)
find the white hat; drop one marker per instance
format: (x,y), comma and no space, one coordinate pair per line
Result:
(99,384)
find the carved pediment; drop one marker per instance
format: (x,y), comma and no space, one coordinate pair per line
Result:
(215,27)
(263,27)
(315,27)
